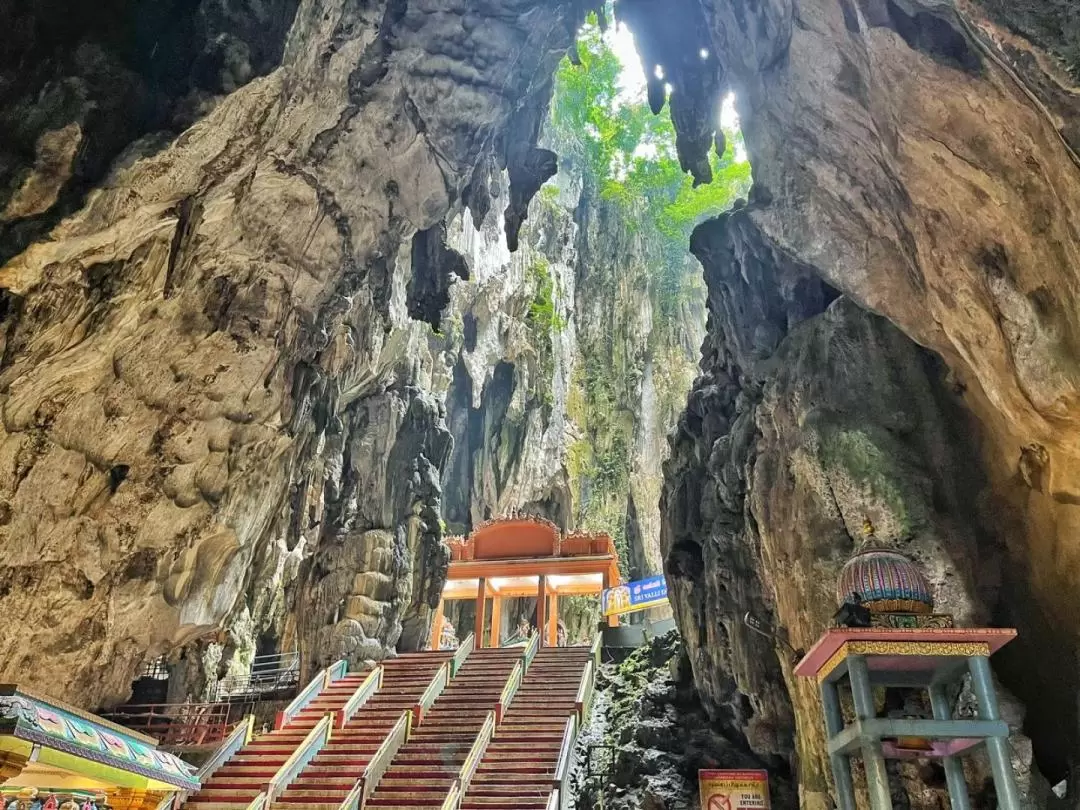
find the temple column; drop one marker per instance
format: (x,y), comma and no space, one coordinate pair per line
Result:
(553,620)
(841,764)
(11,765)
(481,607)
(496,621)
(982,684)
(877,778)
(541,606)
(954,768)
(437,626)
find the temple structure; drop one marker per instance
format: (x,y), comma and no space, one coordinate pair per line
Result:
(53,754)
(525,557)
(894,639)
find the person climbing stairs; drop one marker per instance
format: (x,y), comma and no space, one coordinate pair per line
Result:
(236,783)
(329,777)
(426,766)
(518,768)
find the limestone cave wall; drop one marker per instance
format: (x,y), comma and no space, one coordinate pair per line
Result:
(890,323)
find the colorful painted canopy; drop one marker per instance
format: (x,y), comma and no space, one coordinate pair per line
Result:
(28,718)
(886,581)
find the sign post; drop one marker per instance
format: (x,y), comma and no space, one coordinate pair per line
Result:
(734,790)
(633,596)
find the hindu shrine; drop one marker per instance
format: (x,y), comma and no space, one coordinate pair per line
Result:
(891,638)
(54,756)
(524,556)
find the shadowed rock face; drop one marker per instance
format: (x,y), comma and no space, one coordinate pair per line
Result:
(226,322)
(920,161)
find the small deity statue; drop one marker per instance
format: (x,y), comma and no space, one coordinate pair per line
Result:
(69,803)
(560,634)
(448,638)
(51,803)
(27,797)
(12,803)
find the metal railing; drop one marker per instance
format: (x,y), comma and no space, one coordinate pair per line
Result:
(309,693)
(336,672)
(453,797)
(476,753)
(371,684)
(565,765)
(176,725)
(240,736)
(530,650)
(267,673)
(298,760)
(156,668)
(585,691)
(379,763)
(431,694)
(513,683)
(553,801)
(463,650)
(259,802)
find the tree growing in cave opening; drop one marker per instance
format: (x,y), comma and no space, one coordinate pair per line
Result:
(605,134)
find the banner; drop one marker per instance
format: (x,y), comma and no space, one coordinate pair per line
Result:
(734,790)
(645,593)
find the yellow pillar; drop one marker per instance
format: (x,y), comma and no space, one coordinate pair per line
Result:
(496,620)
(553,620)
(437,626)
(541,606)
(481,607)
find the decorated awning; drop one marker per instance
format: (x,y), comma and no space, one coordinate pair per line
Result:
(54,741)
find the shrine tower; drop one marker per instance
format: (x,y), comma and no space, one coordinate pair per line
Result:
(893,638)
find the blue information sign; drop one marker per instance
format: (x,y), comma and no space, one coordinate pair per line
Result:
(644,593)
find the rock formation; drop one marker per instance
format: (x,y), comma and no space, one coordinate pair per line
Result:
(263,334)
(917,161)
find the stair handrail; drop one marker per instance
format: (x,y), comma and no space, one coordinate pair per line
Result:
(476,753)
(298,759)
(513,683)
(453,797)
(530,650)
(462,652)
(379,762)
(237,739)
(431,694)
(594,651)
(336,671)
(585,691)
(321,680)
(370,685)
(258,803)
(385,753)
(566,753)
(553,801)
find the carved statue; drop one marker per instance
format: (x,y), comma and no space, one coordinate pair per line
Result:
(17,708)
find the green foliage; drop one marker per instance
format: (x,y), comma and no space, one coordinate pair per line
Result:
(628,156)
(545,322)
(630,170)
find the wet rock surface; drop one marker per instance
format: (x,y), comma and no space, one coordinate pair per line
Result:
(650,736)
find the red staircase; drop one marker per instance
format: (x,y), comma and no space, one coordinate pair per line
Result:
(518,768)
(236,783)
(328,778)
(428,764)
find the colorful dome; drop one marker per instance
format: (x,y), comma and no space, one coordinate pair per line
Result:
(886,582)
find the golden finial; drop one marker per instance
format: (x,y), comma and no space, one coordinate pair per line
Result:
(867,528)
